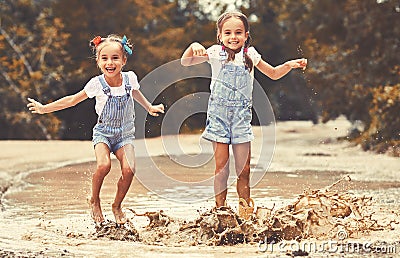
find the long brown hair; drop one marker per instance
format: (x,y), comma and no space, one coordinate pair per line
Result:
(231,54)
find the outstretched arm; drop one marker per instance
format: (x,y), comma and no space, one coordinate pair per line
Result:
(279,71)
(141,99)
(63,103)
(194,54)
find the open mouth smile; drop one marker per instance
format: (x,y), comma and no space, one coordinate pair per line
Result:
(110,70)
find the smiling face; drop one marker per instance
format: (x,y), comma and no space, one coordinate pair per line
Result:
(111,59)
(233,33)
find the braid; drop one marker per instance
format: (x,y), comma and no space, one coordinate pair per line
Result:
(248,63)
(231,53)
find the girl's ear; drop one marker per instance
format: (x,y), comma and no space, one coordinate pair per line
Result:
(247,35)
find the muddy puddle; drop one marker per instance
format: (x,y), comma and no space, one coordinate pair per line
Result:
(325,213)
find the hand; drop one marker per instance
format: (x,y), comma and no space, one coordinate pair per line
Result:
(154,110)
(298,63)
(198,49)
(35,106)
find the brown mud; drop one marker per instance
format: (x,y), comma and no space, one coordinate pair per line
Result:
(325,213)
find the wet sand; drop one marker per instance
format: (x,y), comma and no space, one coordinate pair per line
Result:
(45,211)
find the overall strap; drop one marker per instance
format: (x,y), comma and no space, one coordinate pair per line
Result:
(128,86)
(106,88)
(223,56)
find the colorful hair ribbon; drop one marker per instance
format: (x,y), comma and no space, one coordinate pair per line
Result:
(124,43)
(97,40)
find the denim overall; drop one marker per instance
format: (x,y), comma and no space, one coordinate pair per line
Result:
(116,124)
(229,107)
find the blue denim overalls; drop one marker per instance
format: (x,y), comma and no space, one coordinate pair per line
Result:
(116,124)
(229,107)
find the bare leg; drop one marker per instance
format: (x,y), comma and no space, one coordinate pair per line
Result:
(103,168)
(126,157)
(242,154)
(221,155)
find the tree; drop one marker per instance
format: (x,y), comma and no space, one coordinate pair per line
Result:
(351,47)
(290,98)
(160,30)
(32,59)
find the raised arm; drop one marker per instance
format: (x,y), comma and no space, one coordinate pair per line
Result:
(194,54)
(279,71)
(63,103)
(141,99)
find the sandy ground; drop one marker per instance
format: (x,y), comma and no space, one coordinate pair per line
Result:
(299,145)
(49,204)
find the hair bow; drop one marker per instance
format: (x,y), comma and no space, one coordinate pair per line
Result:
(96,41)
(124,43)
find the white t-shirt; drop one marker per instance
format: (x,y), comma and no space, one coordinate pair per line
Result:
(94,89)
(216,65)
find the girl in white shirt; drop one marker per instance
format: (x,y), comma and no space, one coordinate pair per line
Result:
(114,91)
(229,108)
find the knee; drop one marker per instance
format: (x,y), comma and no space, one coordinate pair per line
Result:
(244,173)
(128,171)
(103,168)
(243,168)
(222,168)
(221,176)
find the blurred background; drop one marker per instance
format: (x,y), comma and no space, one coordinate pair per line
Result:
(352,48)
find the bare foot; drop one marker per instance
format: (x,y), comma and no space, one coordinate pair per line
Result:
(95,211)
(119,215)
